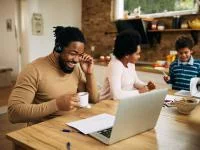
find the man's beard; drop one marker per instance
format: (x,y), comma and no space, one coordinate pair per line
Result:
(64,67)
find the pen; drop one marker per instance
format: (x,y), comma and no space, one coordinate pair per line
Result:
(68,145)
(163,73)
(67,130)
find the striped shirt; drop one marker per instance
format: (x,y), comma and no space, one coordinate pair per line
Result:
(181,73)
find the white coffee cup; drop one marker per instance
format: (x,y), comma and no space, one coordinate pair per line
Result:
(84,98)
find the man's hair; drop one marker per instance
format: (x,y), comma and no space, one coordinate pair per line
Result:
(66,35)
(183,42)
(126,43)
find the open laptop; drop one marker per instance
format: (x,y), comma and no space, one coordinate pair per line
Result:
(134,115)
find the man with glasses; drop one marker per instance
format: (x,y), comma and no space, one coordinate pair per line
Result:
(50,84)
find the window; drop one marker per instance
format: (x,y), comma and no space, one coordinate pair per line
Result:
(155,8)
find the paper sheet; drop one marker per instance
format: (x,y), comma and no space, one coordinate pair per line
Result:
(93,124)
(183,93)
(170,99)
(173,98)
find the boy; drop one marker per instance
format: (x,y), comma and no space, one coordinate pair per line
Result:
(184,67)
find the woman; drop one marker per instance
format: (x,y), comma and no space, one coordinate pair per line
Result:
(121,79)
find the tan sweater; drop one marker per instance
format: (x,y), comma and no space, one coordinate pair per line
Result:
(33,98)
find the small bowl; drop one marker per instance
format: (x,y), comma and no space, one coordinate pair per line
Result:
(102,58)
(107,58)
(186,105)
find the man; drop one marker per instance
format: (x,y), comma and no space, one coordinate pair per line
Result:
(49,84)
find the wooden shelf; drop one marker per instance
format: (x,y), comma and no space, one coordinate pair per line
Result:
(174,30)
(156,34)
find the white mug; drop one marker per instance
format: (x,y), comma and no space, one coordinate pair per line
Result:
(84,98)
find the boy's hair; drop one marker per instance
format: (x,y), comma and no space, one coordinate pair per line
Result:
(126,43)
(183,42)
(66,35)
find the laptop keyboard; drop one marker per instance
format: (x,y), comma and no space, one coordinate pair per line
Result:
(106,132)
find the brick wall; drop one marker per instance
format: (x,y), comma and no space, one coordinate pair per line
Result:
(96,22)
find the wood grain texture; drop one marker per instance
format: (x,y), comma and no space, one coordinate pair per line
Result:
(171,132)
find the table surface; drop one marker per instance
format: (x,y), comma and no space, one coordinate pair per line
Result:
(171,132)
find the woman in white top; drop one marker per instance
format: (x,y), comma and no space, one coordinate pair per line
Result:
(121,79)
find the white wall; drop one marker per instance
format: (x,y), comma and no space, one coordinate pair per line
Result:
(54,12)
(8,42)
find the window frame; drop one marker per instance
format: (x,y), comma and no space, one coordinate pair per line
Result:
(119,12)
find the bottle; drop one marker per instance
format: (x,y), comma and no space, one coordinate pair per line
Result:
(176,22)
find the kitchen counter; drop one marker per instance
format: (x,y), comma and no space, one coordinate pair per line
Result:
(140,66)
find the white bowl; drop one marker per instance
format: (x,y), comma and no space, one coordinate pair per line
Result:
(161,27)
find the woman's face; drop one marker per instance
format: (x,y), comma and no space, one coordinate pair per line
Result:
(133,58)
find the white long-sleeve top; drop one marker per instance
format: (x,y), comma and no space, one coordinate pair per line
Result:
(120,81)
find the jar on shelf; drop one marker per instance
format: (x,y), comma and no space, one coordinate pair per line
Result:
(154,25)
(160,26)
(176,22)
(184,25)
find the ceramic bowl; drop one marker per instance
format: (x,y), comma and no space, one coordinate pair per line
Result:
(102,58)
(186,105)
(107,58)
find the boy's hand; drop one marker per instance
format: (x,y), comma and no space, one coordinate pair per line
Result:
(166,78)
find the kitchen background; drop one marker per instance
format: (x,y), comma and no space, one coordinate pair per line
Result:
(100,32)
(22,41)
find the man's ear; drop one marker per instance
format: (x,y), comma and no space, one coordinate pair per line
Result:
(127,56)
(192,51)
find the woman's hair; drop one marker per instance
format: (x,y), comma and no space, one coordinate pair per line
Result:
(66,35)
(126,43)
(183,42)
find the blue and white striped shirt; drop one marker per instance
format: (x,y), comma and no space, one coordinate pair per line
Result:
(181,73)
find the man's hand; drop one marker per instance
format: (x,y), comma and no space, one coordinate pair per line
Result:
(67,102)
(166,78)
(86,64)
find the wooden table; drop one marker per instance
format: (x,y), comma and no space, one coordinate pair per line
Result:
(170,133)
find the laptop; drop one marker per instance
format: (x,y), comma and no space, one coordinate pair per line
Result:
(134,115)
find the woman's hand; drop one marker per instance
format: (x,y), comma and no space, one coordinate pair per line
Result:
(151,85)
(143,89)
